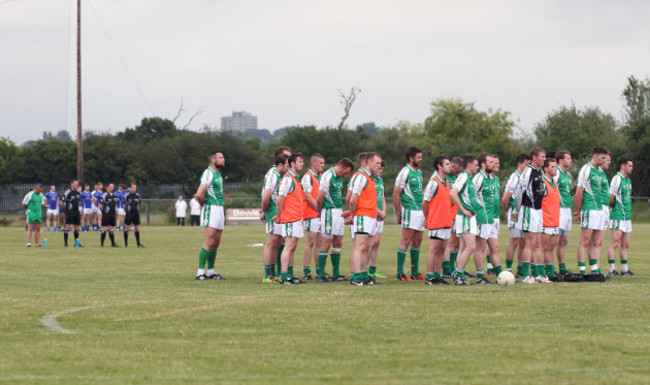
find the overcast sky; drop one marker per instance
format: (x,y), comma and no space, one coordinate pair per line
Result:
(284,61)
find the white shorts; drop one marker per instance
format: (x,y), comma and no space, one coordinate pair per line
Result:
(488,231)
(331,223)
(530,220)
(566,217)
(292,229)
(212,216)
(551,230)
(273,227)
(380,227)
(52,211)
(365,225)
(624,226)
(605,220)
(466,225)
(312,225)
(511,224)
(87,211)
(442,234)
(120,211)
(592,219)
(412,219)
(516,233)
(497,224)
(96,210)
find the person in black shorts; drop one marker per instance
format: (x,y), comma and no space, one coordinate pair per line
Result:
(132,207)
(107,206)
(71,202)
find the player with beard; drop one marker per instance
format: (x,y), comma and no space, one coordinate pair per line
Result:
(311,217)
(563,180)
(508,204)
(620,221)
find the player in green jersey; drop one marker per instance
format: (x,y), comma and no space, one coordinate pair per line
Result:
(381,213)
(268,211)
(563,180)
(517,241)
(407,199)
(311,221)
(451,252)
(330,205)
(33,202)
(210,197)
(590,210)
(620,221)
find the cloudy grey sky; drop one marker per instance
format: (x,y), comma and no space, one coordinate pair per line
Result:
(285,60)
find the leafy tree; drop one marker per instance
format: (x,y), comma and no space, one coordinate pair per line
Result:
(637,129)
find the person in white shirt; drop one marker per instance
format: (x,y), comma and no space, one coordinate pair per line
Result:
(181,208)
(195,212)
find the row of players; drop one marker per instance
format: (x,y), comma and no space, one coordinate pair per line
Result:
(459,207)
(90,213)
(107,207)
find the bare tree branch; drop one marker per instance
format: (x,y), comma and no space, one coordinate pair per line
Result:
(180,111)
(347,102)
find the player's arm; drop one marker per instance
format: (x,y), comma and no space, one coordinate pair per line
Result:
(306,188)
(266,200)
(381,214)
(454,198)
(397,203)
(505,201)
(354,200)
(279,205)
(612,200)
(320,200)
(311,201)
(579,195)
(348,196)
(200,194)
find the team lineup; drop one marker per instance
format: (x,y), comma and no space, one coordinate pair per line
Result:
(459,208)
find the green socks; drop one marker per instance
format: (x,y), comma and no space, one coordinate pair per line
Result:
(593,265)
(306,270)
(550,270)
(497,269)
(336,264)
(268,272)
(415,260)
(372,269)
(446,267)
(401,257)
(452,259)
(509,264)
(525,269)
(562,268)
(203,257)
(278,264)
(322,261)
(582,266)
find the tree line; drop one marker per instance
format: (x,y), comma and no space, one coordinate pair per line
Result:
(156,151)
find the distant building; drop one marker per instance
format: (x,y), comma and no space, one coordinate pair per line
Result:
(239,121)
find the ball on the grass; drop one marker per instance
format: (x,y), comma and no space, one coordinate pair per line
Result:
(346,214)
(506,278)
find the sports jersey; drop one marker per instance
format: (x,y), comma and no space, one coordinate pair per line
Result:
(97,195)
(291,189)
(86,200)
(563,180)
(604,188)
(52,199)
(467,192)
(551,204)
(496,203)
(109,200)
(364,186)
(214,182)
(379,185)
(33,202)
(482,183)
(511,187)
(621,188)
(332,186)
(271,183)
(589,179)
(531,188)
(131,202)
(309,183)
(71,200)
(411,183)
(440,214)
(120,199)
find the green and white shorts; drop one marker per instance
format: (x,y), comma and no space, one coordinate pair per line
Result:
(331,223)
(530,220)
(380,227)
(624,226)
(466,225)
(488,230)
(566,217)
(292,229)
(212,216)
(605,221)
(364,225)
(551,230)
(592,219)
(442,234)
(412,219)
(273,228)
(312,224)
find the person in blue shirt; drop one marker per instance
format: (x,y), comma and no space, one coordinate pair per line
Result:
(120,194)
(87,208)
(97,200)
(52,202)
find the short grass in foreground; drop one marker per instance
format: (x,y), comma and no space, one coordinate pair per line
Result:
(138,316)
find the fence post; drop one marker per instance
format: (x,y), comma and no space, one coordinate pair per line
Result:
(148,203)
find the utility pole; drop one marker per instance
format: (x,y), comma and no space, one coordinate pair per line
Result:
(80,150)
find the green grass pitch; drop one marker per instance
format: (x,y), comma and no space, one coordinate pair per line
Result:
(116,316)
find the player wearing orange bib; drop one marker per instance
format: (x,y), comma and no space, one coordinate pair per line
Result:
(440,215)
(311,217)
(551,220)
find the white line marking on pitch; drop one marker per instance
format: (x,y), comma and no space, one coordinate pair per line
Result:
(50,322)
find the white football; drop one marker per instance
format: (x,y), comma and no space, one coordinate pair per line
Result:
(506,278)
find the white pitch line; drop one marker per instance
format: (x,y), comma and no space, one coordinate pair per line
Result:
(50,322)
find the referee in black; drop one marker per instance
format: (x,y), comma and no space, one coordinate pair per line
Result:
(71,200)
(107,207)
(132,206)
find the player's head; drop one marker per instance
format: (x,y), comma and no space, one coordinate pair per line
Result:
(482,160)
(86,187)
(74,184)
(551,154)
(598,155)
(180,197)
(296,162)
(493,163)
(38,188)
(537,157)
(134,188)
(217,159)
(382,166)
(470,164)
(563,159)
(550,167)
(373,162)
(625,166)
(52,188)
(100,186)
(122,187)
(607,161)
(344,167)
(362,159)
(317,162)
(456,165)
(110,187)
(414,156)
(282,150)
(442,164)
(523,159)
(282,163)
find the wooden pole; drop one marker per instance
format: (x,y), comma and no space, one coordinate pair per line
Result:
(80,151)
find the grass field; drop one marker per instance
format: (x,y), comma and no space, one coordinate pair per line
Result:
(116,316)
